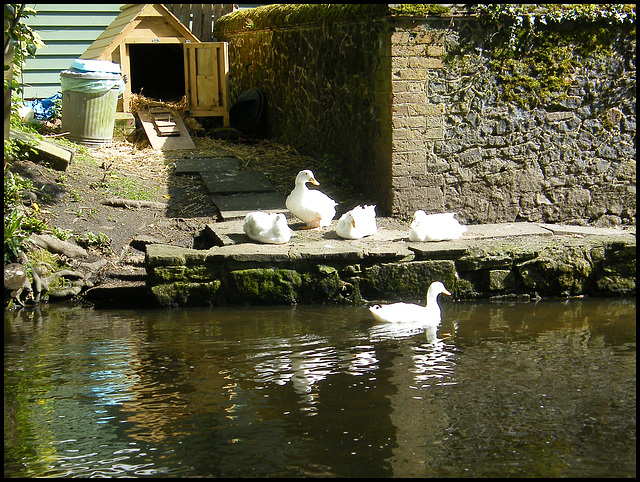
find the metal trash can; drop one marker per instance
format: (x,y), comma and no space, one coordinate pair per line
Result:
(90,91)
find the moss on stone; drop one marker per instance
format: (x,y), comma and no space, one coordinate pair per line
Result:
(420,9)
(186,294)
(263,286)
(536,60)
(406,280)
(292,15)
(321,284)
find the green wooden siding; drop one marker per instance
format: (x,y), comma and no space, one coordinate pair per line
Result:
(67,29)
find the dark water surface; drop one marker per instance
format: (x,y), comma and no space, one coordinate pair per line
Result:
(529,389)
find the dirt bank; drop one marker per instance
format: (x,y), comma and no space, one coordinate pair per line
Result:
(126,191)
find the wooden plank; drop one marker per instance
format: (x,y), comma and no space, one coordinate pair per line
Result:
(206,78)
(167,129)
(125,66)
(192,96)
(207,22)
(183,141)
(215,71)
(217,11)
(196,23)
(183,14)
(164,122)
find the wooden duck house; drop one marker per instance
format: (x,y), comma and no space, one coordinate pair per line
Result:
(161,59)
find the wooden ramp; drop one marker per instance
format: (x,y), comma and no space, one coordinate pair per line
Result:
(165,130)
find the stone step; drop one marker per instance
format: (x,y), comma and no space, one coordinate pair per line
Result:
(207,164)
(231,182)
(127,273)
(236,206)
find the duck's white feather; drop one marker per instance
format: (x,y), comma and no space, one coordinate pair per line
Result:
(435,227)
(313,207)
(428,315)
(269,228)
(357,223)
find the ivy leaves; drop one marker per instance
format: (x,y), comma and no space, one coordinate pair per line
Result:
(535,49)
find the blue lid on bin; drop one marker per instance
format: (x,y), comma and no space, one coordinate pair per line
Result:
(93,65)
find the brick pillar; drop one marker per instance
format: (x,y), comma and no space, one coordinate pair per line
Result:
(416,122)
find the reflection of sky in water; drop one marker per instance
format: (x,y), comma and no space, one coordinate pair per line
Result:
(304,361)
(112,376)
(433,364)
(301,361)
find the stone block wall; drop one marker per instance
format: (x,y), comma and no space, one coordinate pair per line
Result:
(417,121)
(328,93)
(458,147)
(414,128)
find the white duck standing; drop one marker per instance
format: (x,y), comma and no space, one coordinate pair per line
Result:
(267,227)
(435,227)
(357,223)
(428,315)
(313,207)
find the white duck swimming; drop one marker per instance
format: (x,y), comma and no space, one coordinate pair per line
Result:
(429,315)
(435,227)
(357,223)
(267,227)
(313,207)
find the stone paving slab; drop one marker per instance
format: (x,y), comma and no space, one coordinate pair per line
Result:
(328,250)
(228,182)
(210,153)
(504,229)
(207,164)
(264,253)
(227,233)
(587,230)
(236,206)
(385,250)
(388,243)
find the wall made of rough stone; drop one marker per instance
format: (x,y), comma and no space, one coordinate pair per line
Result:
(414,131)
(458,147)
(328,92)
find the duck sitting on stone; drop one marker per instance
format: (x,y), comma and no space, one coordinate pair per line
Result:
(269,228)
(357,223)
(313,207)
(435,227)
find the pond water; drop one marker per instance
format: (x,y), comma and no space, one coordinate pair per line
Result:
(526,389)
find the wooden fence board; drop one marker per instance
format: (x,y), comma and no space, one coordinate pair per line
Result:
(199,18)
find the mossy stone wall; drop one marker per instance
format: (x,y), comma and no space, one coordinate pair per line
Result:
(417,122)
(501,268)
(328,92)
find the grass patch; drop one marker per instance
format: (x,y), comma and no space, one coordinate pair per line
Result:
(131,189)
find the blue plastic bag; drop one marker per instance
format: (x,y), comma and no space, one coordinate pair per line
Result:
(44,109)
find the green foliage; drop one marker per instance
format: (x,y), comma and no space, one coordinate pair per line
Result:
(19,221)
(129,189)
(14,184)
(288,15)
(100,241)
(535,49)
(422,9)
(13,236)
(520,22)
(61,234)
(33,225)
(25,41)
